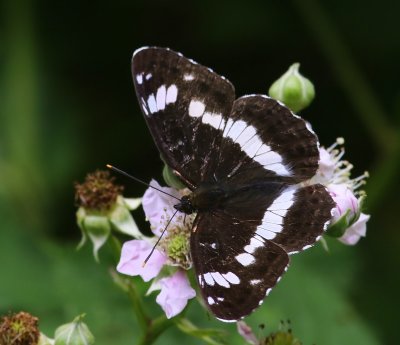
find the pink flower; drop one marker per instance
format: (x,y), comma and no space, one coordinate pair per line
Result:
(356,231)
(159,207)
(133,255)
(345,202)
(175,293)
(175,289)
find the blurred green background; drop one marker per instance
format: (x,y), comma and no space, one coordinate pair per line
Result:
(67,107)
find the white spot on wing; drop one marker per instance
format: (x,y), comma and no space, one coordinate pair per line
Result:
(220,279)
(139,78)
(209,279)
(246,136)
(172,93)
(255,281)
(214,120)
(148,76)
(210,300)
(236,129)
(188,77)
(196,108)
(231,277)
(151,102)
(267,234)
(160,98)
(201,280)
(245,259)
(254,244)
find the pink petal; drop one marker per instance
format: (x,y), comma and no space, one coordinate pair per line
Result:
(133,255)
(326,166)
(157,205)
(356,231)
(345,200)
(175,293)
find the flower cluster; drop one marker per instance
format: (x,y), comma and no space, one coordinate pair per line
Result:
(348,222)
(170,258)
(166,261)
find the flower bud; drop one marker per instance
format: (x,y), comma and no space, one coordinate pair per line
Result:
(347,210)
(171,179)
(74,333)
(102,209)
(19,329)
(282,338)
(293,89)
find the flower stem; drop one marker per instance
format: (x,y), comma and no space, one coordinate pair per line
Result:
(143,320)
(154,329)
(141,315)
(360,93)
(368,108)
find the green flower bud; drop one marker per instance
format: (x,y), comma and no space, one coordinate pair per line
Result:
(282,338)
(296,91)
(74,333)
(102,209)
(19,329)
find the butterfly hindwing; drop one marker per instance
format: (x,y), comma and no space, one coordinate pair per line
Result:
(235,268)
(269,134)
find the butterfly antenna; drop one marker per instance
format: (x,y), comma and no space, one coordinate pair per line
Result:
(138,180)
(159,239)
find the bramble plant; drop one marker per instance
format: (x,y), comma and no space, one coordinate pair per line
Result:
(104,217)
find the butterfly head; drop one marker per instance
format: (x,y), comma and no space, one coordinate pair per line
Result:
(185,205)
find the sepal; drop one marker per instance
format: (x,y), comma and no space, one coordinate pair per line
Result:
(74,333)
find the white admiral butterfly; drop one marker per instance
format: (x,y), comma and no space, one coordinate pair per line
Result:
(244,161)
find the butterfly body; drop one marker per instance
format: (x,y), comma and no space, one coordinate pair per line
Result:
(247,162)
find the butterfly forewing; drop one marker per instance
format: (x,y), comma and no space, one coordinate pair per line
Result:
(184,104)
(254,150)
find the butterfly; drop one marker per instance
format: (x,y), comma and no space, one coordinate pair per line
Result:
(246,162)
